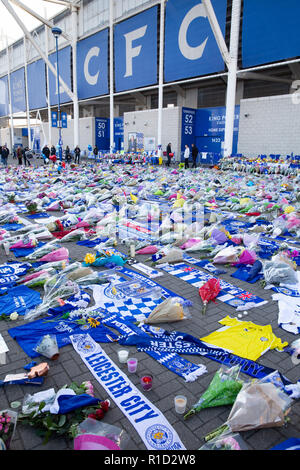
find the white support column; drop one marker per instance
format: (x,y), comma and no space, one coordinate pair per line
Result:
(111,73)
(26,94)
(161,77)
(232,77)
(47,88)
(37,47)
(75,91)
(12,136)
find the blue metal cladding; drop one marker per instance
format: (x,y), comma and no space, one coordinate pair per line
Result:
(36,82)
(17,87)
(4,98)
(92,65)
(190,46)
(270,31)
(135,51)
(64,65)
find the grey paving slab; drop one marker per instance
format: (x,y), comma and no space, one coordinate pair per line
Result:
(69,367)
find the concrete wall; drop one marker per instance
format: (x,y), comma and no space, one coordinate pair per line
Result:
(269,125)
(86,133)
(145,122)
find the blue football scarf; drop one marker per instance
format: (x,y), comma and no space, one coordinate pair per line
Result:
(29,334)
(76,301)
(231,295)
(91,243)
(19,299)
(172,361)
(182,343)
(205,264)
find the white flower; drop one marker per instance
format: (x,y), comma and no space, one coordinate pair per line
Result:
(14,316)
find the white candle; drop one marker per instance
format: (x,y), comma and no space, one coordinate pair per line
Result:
(132,251)
(123,356)
(180,404)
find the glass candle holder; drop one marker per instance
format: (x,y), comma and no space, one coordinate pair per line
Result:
(180,404)
(123,356)
(132,364)
(146,382)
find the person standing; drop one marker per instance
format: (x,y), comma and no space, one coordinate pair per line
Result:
(77,154)
(169,151)
(53,151)
(4,155)
(46,151)
(186,156)
(195,152)
(95,152)
(19,155)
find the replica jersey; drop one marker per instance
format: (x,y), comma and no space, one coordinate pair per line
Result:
(244,338)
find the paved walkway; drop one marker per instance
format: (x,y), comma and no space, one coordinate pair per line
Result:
(69,368)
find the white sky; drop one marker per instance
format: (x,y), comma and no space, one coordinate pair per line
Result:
(9,27)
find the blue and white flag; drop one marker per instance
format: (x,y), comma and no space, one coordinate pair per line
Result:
(229,294)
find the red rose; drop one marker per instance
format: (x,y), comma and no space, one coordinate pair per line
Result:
(92,415)
(104,405)
(99,414)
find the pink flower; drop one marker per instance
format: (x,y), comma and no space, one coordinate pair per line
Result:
(1,426)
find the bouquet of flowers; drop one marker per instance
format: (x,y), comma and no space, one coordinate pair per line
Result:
(56,289)
(222,390)
(43,250)
(209,291)
(31,207)
(259,404)
(8,421)
(74,236)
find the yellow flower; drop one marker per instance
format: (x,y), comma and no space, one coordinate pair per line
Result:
(93,322)
(89,258)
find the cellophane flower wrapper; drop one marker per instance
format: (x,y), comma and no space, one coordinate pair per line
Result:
(257,406)
(222,390)
(7,429)
(209,291)
(227,441)
(55,291)
(172,309)
(73,236)
(56,255)
(40,252)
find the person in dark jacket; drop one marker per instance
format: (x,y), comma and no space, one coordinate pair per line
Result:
(46,151)
(195,152)
(169,151)
(77,154)
(95,152)
(4,155)
(52,150)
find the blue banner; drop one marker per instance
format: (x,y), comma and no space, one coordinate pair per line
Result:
(54,118)
(64,65)
(119,134)
(270,31)
(102,134)
(190,46)
(4,99)
(17,86)
(135,46)
(64,120)
(36,82)
(92,65)
(188,128)
(210,129)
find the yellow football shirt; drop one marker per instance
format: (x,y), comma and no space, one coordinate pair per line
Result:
(244,338)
